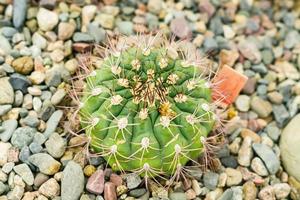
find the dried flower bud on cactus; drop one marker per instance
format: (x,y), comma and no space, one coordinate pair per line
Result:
(147,107)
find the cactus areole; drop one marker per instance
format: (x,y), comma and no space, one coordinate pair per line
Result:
(147,108)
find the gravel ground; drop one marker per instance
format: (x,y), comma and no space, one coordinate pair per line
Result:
(39,44)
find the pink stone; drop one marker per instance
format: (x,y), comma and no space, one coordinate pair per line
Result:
(95,183)
(116,179)
(110,191)
(206,7)
(180,28)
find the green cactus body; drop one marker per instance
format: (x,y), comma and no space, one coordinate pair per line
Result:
(146,112)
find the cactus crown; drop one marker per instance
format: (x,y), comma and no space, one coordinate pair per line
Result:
(147,107)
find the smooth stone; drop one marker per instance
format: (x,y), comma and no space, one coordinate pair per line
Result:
(282,190)
(243,103)
(110,191)
(281,115)
(58,96)
(24,154)
(125,27)
(234,177)
(290,148)
(267,155)
(97,33)
(137,192)
(19,13)
(8,167)
(249,190)
(50,188)
(52,123)
(39,40)
(56,145)
(5,45)
(177,196)
(46,19)
(16,193)
(31,121)
(133,181)
(65,30)
(291,39)
(22,136)
(95,183)
(227,195)
(19,82)
(180,28)
(210,180)
(45,163)
(23,65)
(83,37)
(4,152)
(8,31)
(6,92)
(261,107)
(258,167)
(24,171)
(229,161)
(245,153)
(72,183)
(4,109)
(35,148)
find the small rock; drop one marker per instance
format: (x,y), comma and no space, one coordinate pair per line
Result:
(177,196)
(290,148)
(243,103)
(3,189)
(46,19)
(5,45)
(275,97)
(40,178)
(116,179)
(9,127)
(137,192)
(228,32)
(190,194)
(45,163)
(24,171)
(56,145)
(261,107)
(72,183)
(210,180)
(228,57)
(180,28)
(292,38)
(19,13)
(229,161)
(4,152)
(227,195)
(22,136)
(107,21)
(155,6)
(87,13)
(97,33)
(6,92)
(82,37)
(258,167)
(281,115)
(110,191)
(8,167)
(50,188)
(267,193)
(249,51)
(39,40)
(248,133)
(234,177)
(65,30)
(245,153)
(249,87)
(249,191)
(52,123)
(89,170)
(16,193)
(268,156)
(19,82)
(282,190)
(95,183)
(133,181)
(58,96)
(23,65)
(125,27)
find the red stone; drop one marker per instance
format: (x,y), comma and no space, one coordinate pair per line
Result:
(228,84)
(81,47)
(116,179)
(110,191)
(95,183)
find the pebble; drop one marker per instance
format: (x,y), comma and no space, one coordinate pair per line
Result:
(249,51)
(234,177)
(137,192)
(6,91)
(95,183)
(133,181)
(52,123)
(249,190)
(39,41)
(267,193)
(58,96)
(99,34)
(23,65)
(65,30)
(4,109)
(258,167)
(19,82)
(45,163)
(24,171)
(88,12)
(268,157)
(55,145)
(19,13)
(116,179)
(290,148)
(110,191)
(261,107)
(72,183)
(180,28)
(282,190)
(210,180)
(106,21)
(177,196)
(46,19)
(39,179)
(281,115)
(5,45)
(125,27)
(9,127)
(22,136)
(4,152)
(245,153)
(8,167)
(50,188)
(16,193)
(249,133)
(243,103)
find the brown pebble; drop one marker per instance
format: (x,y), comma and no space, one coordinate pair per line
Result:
(116,179)
(110,191)
(247,132)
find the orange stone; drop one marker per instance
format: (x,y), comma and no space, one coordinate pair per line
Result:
(228,84)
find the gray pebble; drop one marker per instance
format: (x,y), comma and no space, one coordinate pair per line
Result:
(281,115)
(24,154)
(133,181)
(4,109)
(18,98)
(23,136)
(97,33)
(31,121)
(35,148)
(56,145)
(52,123)
(19,13)
(9,127)
(19,82)
(125,27)
(82,37)
(210,180)
(45,163)
(24,171)
(7,167)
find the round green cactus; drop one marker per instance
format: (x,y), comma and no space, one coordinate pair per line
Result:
(147,107)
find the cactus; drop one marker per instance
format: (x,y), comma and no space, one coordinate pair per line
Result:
(147,106)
